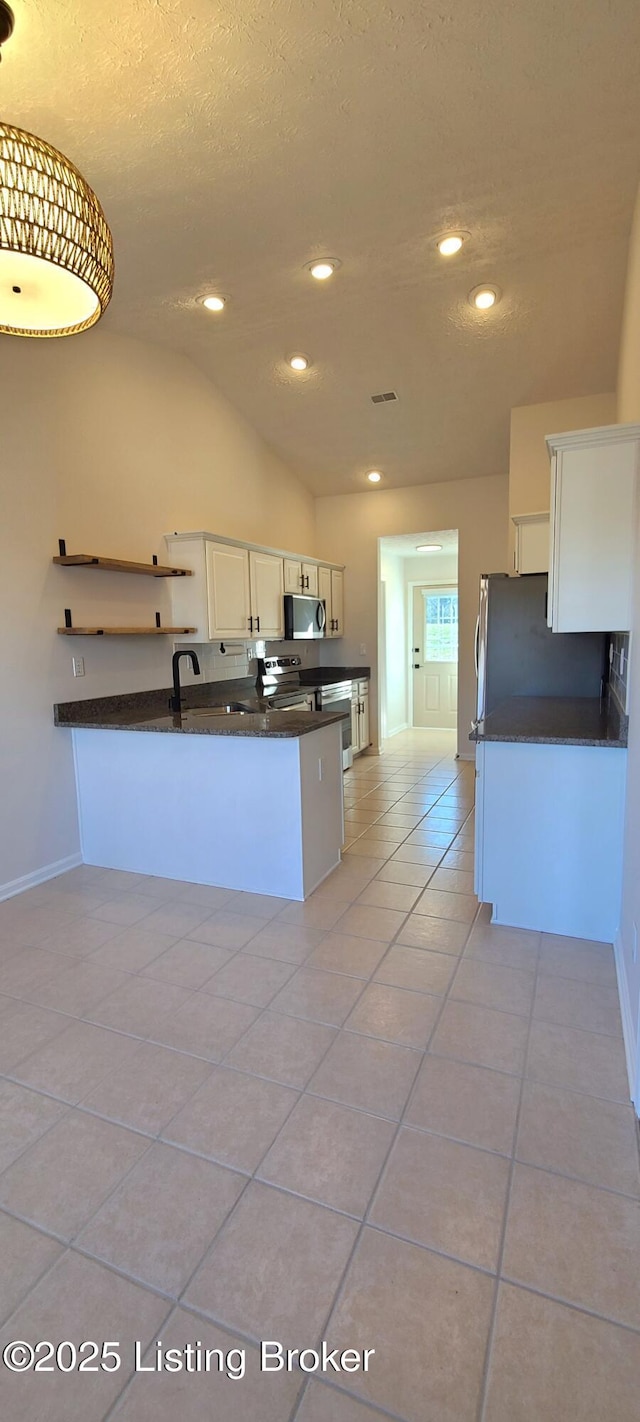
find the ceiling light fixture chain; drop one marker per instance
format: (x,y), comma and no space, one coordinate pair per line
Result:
(56,249)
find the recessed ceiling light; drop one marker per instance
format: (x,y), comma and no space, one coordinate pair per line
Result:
(449,245)
(214,303)
(484,297)
(298,361)
(374,477)
(324,269)
(429,548)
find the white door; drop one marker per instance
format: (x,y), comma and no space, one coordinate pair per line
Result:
(435,656)
(292,576)
(324,592)
(228,590)
(310,579)
(337,602)
(267,595)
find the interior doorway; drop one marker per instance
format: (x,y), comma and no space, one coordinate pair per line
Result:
(418,631)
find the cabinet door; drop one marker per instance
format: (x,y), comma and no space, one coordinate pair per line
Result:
(337,602)
(292,576)
(364,721)
(532,545)
(227,590)
(593,537)
(324,592)
(355,726)
(267,594)
(310,579)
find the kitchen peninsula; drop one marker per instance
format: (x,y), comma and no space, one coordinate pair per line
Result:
(247,799)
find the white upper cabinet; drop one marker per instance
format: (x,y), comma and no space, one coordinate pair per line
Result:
(292,575)
(337,602)
(310,579)
(228,593)
(237,591)
(266,577)
(593,519)
(532,543)
(331,590)
(300,577)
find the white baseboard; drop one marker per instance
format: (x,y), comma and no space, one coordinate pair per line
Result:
(397,730)
(39,876)
(631,1039)
(465,755)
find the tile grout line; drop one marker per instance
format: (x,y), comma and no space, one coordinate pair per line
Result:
(364,1222)
(486,1371)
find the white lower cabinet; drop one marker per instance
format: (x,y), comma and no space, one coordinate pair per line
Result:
(548,836)
(267,595)
(360,732)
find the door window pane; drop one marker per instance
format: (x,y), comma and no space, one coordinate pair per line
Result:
(441,627)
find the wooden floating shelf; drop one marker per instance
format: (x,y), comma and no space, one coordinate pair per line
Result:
(125,631)
(120,565)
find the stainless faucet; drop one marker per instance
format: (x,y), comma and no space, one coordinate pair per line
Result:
(175,701)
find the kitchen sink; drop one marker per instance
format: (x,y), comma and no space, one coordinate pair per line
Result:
(233,708)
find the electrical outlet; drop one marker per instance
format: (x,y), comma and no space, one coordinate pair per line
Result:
(320,768)
(363,650)
(78,666)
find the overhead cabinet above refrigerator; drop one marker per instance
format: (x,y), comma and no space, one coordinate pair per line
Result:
(594,475)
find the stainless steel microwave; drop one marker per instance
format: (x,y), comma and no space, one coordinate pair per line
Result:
(304,618)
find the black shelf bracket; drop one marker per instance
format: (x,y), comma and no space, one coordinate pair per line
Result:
(67,613)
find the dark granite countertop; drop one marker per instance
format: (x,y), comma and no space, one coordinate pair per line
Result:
(326,676)
(555,721)
(149,711)
(283,725)
(131,709)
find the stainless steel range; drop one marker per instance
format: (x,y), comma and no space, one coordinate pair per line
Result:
(280,684)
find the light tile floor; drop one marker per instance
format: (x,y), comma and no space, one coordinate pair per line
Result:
(372,1118)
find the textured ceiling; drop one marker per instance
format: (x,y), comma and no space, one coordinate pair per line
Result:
(404,545)
(231,141)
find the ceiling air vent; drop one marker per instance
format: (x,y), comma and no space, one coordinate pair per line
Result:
(384,398)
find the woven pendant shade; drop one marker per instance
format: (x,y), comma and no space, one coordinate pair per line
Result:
(56,251)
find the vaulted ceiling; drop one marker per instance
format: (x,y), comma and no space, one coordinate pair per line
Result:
(231,141)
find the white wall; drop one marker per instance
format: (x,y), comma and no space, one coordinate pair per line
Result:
(108,443)
(348,527)
(392,575)
(628,411)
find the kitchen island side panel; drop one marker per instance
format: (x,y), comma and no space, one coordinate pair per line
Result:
(551,824)
(322,799)
(207,809)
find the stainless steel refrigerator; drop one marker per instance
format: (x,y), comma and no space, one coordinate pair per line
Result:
(517,654)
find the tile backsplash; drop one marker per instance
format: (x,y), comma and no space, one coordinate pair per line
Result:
(619,645)
(240,658)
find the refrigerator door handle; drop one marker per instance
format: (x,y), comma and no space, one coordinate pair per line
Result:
(477,642)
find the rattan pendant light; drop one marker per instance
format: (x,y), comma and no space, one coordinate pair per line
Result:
(56,250)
